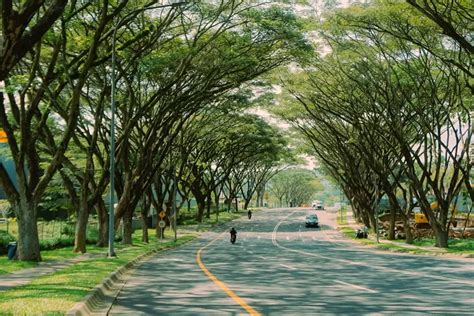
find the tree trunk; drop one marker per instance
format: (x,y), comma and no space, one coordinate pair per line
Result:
(246,203)
(216,199)
(28,240)
(103,218)
(200,212)
(173,225)
(259,200)
(391,231)
(442,239)
(408,232)
(127,222)
(209,204)
(144,214)
(81,229)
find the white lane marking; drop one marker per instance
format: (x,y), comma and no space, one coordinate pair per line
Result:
(382,268)
(288,267)
(356,286)
(174,260)
(262,257)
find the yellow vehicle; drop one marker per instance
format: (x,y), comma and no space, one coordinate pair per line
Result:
(421,221)
(3,136)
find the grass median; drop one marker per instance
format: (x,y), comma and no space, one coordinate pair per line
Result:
(56,293)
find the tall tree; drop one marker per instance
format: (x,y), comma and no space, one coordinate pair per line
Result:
(62,75)
(23,25)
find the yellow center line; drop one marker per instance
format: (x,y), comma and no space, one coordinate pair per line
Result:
(222,285)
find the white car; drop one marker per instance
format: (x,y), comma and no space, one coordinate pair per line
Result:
(317,205)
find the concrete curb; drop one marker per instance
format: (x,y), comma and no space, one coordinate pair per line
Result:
(101,297)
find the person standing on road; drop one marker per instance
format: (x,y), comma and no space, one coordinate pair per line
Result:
(249,213)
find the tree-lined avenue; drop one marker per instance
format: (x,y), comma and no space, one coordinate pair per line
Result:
(279,267)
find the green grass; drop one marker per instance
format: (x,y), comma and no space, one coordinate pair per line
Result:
(58,292)
(342,216)
(465,246)
(456,246)
(347,231)
(8,266)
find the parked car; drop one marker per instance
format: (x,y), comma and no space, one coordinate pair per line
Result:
(311,221)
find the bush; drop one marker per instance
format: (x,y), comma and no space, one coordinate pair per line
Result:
(62,242)
(5,238)
(69,229)
(92,234)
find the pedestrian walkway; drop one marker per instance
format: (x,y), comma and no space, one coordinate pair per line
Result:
(25,276)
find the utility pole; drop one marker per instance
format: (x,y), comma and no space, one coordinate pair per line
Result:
(376,211)
(175,223)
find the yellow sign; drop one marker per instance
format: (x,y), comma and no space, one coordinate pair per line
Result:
(3,136)
(162,214)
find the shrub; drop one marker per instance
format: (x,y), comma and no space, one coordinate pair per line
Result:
(62,242)
(55,243)
(68,229)
(92,234)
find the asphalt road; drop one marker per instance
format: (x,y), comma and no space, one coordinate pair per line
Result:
(279,267)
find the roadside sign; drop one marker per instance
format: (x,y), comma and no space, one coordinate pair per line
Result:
(162,214)
(3,136)
(162,224)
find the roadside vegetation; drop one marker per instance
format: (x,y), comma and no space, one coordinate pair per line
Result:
(189,227)
(424,246)
(56,293)
(388,111)
(341,218)
(181,78)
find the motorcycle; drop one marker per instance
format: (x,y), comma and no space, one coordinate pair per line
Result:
(233,235)
(362,232)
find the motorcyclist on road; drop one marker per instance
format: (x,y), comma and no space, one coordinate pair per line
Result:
(233,235)
(249,214)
